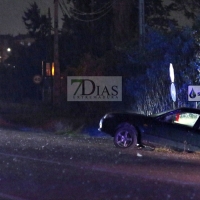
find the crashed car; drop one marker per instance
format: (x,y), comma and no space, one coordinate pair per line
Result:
(178,128)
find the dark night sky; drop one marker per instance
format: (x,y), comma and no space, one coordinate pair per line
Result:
(11,12)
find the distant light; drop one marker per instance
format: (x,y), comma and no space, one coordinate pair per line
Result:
(48,69)
(53,69)
(8,49)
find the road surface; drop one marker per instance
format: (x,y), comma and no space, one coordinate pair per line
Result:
(46,166)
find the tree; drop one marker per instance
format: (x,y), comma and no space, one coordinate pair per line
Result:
(157,15)
(150,89)
(108,24)
(38,25)
(126,19)
(190,8)
(88,24)
(196,35)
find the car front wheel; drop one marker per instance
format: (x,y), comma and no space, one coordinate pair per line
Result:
(125,137)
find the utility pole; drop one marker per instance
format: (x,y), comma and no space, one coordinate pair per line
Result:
(56,80)
(141,22)
(92,26)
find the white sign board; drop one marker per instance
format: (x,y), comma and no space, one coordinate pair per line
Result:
(171,72)
(173,92)
(194,93)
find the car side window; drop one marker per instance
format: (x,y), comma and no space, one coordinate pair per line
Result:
(167,118)
(188,119)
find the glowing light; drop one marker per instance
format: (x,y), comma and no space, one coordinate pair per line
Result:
(52,69)
(171,72)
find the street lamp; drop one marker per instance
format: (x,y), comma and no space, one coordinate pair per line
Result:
(8,49)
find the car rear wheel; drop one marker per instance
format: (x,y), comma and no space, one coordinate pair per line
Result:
(125,137)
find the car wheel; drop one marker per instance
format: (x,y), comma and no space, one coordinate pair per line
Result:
(125,137)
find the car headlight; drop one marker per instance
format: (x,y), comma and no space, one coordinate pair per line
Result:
(100,124)
(109,115)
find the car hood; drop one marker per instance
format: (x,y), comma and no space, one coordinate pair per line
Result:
(126,114)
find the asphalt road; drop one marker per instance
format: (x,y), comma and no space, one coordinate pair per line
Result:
(45,166)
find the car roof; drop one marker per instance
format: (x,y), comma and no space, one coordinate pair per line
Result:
(191,110)
(181,109)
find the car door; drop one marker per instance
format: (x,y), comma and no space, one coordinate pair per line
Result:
(177,129)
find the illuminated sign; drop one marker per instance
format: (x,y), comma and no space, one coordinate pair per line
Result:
(194,93)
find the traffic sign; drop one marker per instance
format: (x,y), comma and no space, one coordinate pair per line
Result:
(37,79)
(173,92)
(171,72)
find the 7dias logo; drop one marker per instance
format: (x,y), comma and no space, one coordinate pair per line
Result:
(94,88)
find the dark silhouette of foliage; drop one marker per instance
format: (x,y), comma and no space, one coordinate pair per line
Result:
(151,89)
(190,8)
(116,29)
(38,25)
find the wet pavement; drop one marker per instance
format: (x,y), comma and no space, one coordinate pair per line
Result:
(37,165)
